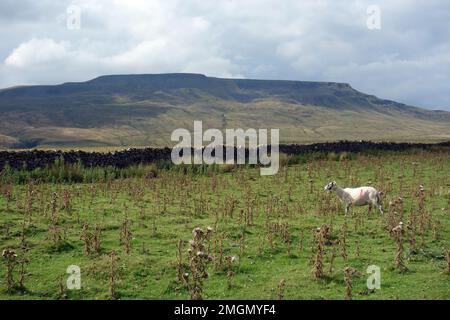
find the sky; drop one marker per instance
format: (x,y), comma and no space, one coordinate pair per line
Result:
(394,49)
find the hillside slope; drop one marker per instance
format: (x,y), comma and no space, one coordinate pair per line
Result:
(126,110)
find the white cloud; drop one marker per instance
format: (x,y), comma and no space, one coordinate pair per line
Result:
(36,52)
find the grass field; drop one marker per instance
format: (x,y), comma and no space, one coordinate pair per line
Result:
(266,223)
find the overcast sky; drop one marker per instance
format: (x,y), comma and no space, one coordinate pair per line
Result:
(407,59)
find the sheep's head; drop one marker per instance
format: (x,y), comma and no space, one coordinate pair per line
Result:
(331,186)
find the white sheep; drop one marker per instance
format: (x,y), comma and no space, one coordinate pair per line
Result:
(357,196)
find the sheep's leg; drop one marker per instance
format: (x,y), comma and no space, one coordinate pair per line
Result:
(346,208)
(380,208)
(370,209)
(378,203)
